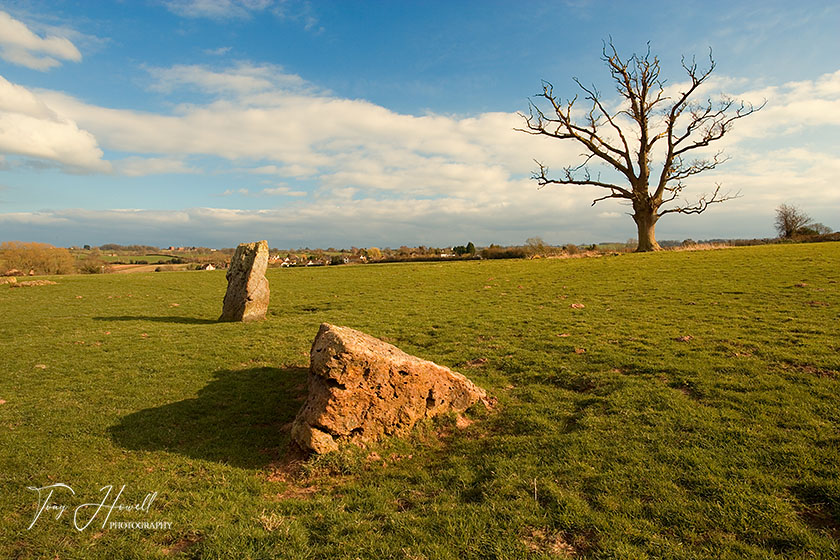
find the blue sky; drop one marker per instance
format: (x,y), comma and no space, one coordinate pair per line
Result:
(211,122)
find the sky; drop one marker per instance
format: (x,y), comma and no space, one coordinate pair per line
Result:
(339,124)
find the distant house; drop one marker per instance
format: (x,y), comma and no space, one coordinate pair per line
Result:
(208,266)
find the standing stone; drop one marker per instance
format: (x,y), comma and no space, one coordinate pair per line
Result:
(362,389)
(247,293)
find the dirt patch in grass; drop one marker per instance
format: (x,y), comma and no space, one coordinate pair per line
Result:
(182,543)
(686,388)
(810,370)
(297,492)
(561,545)
(290,467)
(478,362)
(818,518)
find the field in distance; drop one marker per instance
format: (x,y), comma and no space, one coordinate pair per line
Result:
(667,405)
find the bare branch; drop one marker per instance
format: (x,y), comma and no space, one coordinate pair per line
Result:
(700,206)
(594,96)
(569,178)
(613,194)
(563,127)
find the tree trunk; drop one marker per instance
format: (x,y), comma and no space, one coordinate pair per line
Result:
(646,222)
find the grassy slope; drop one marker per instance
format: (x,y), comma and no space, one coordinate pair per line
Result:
(722,446)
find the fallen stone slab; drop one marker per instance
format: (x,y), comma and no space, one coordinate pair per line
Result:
(246,298)
(362,389)
(8,280)
(29,283)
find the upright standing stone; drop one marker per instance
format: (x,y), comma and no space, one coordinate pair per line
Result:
(247,293)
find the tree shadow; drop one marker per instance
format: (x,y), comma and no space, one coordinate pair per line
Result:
(159,319)
(241,418)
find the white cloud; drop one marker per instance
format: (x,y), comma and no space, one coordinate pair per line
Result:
(299,11)
(337,142)
(290,170)
(790,108)
(30,127)
(218,51)
(282,191)
(243,79)
(216,9)
(48,218)
(19,45)
(142,166)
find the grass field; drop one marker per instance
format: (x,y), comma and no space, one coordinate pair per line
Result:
(690,409)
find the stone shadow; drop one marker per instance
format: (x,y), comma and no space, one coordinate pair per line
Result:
(159,319)
(241,418)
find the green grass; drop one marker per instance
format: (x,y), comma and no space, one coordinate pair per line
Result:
(638,445)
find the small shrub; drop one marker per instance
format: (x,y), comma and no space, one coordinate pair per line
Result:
(496,252)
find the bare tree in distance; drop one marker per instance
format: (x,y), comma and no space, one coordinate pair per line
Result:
(624,139)
(791,221)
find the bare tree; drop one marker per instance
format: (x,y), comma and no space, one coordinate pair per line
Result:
(625,138)
(790,220)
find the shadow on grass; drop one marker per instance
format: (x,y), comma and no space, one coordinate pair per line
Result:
(159,319)
(240,418)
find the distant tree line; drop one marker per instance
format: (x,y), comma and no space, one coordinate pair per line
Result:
(137,249)
(23,258)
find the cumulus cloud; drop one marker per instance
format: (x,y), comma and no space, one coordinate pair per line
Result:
(29,127)
(285,128)
(20,45)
